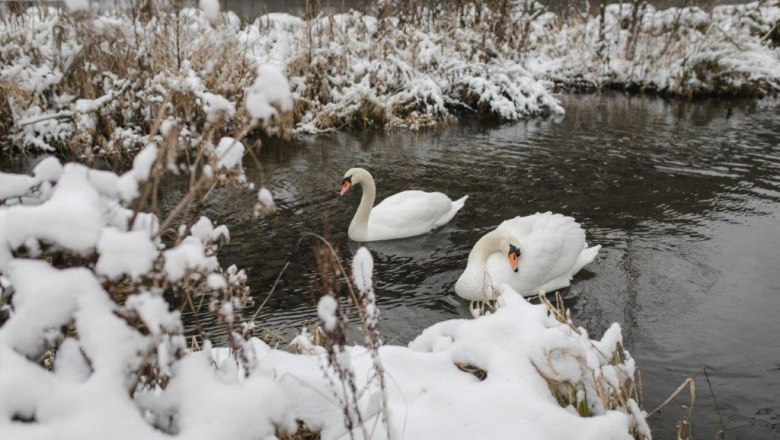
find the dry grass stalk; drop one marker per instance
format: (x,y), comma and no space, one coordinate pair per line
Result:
(624,398)
(302,433)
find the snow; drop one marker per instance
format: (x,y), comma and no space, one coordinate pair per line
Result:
(125,253)
(216,281)
(326,310)
(190,254)
(211,9)
(429,397)
(45,298)
(206,232)
(13,185)
(142,164)
(153,311)
(74,206)
(362,269)
(77,5)
(269,94)
(217,107)
(229,153)
(265,202)
(48,170)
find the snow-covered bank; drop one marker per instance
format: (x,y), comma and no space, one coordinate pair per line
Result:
(93,84)
(461,379)
(732,50)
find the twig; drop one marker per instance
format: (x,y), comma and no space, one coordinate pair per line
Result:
(273,288)
(63,114)
(689,382)
(721,432)
(341,269)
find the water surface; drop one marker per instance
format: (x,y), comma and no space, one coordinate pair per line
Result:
(683,197)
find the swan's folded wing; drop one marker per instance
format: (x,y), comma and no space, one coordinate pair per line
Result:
(522,226)
(541,253)
(410,211)
(557,241)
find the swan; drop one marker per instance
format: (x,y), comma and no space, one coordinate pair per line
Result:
(544,250)
(401,215)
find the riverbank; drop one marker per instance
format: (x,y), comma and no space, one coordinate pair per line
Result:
(91,84)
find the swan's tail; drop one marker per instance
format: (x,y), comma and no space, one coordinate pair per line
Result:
(586,256)
(456,205)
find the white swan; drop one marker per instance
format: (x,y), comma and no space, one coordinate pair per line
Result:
(401,215)
(545,250)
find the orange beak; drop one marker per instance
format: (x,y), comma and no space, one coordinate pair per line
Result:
(345,187)
(514,261)
(514,257)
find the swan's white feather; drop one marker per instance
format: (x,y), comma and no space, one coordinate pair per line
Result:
(553,249)
(401,215)
(407,214)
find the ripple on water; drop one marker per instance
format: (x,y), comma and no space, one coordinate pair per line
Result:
(684,197)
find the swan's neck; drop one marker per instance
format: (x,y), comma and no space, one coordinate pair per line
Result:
(485,246)
(360,220)
(475,282)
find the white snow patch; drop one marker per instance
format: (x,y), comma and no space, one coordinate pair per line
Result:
(125,253)
(326,310)
(270,92)
(211,9)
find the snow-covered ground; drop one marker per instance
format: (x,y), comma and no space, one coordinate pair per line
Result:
(93,82)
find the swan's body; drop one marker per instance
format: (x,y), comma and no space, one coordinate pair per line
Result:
(401,215)
(552,249)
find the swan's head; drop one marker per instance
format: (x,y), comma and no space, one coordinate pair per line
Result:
(514,257)
(511,246)
(476,283)
(501,241)
(354,176)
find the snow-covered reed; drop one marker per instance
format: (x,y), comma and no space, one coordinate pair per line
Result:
(730,50)
(91,82)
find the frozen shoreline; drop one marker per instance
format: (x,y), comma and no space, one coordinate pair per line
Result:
(96,87)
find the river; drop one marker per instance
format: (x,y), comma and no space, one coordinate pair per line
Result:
(684,197)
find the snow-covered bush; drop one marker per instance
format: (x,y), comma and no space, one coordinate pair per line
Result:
(355,69)
(419,65)
(731,50)
(91,344)
(93,83)
(93,281)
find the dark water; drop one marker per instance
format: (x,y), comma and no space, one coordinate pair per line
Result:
(684,197)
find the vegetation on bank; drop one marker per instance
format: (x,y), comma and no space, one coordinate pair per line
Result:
(90,83)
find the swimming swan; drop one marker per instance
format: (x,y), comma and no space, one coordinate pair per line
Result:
(401,215)
(545,250)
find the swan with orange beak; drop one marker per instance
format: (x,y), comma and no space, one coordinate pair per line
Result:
(401,215)
(543,252)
